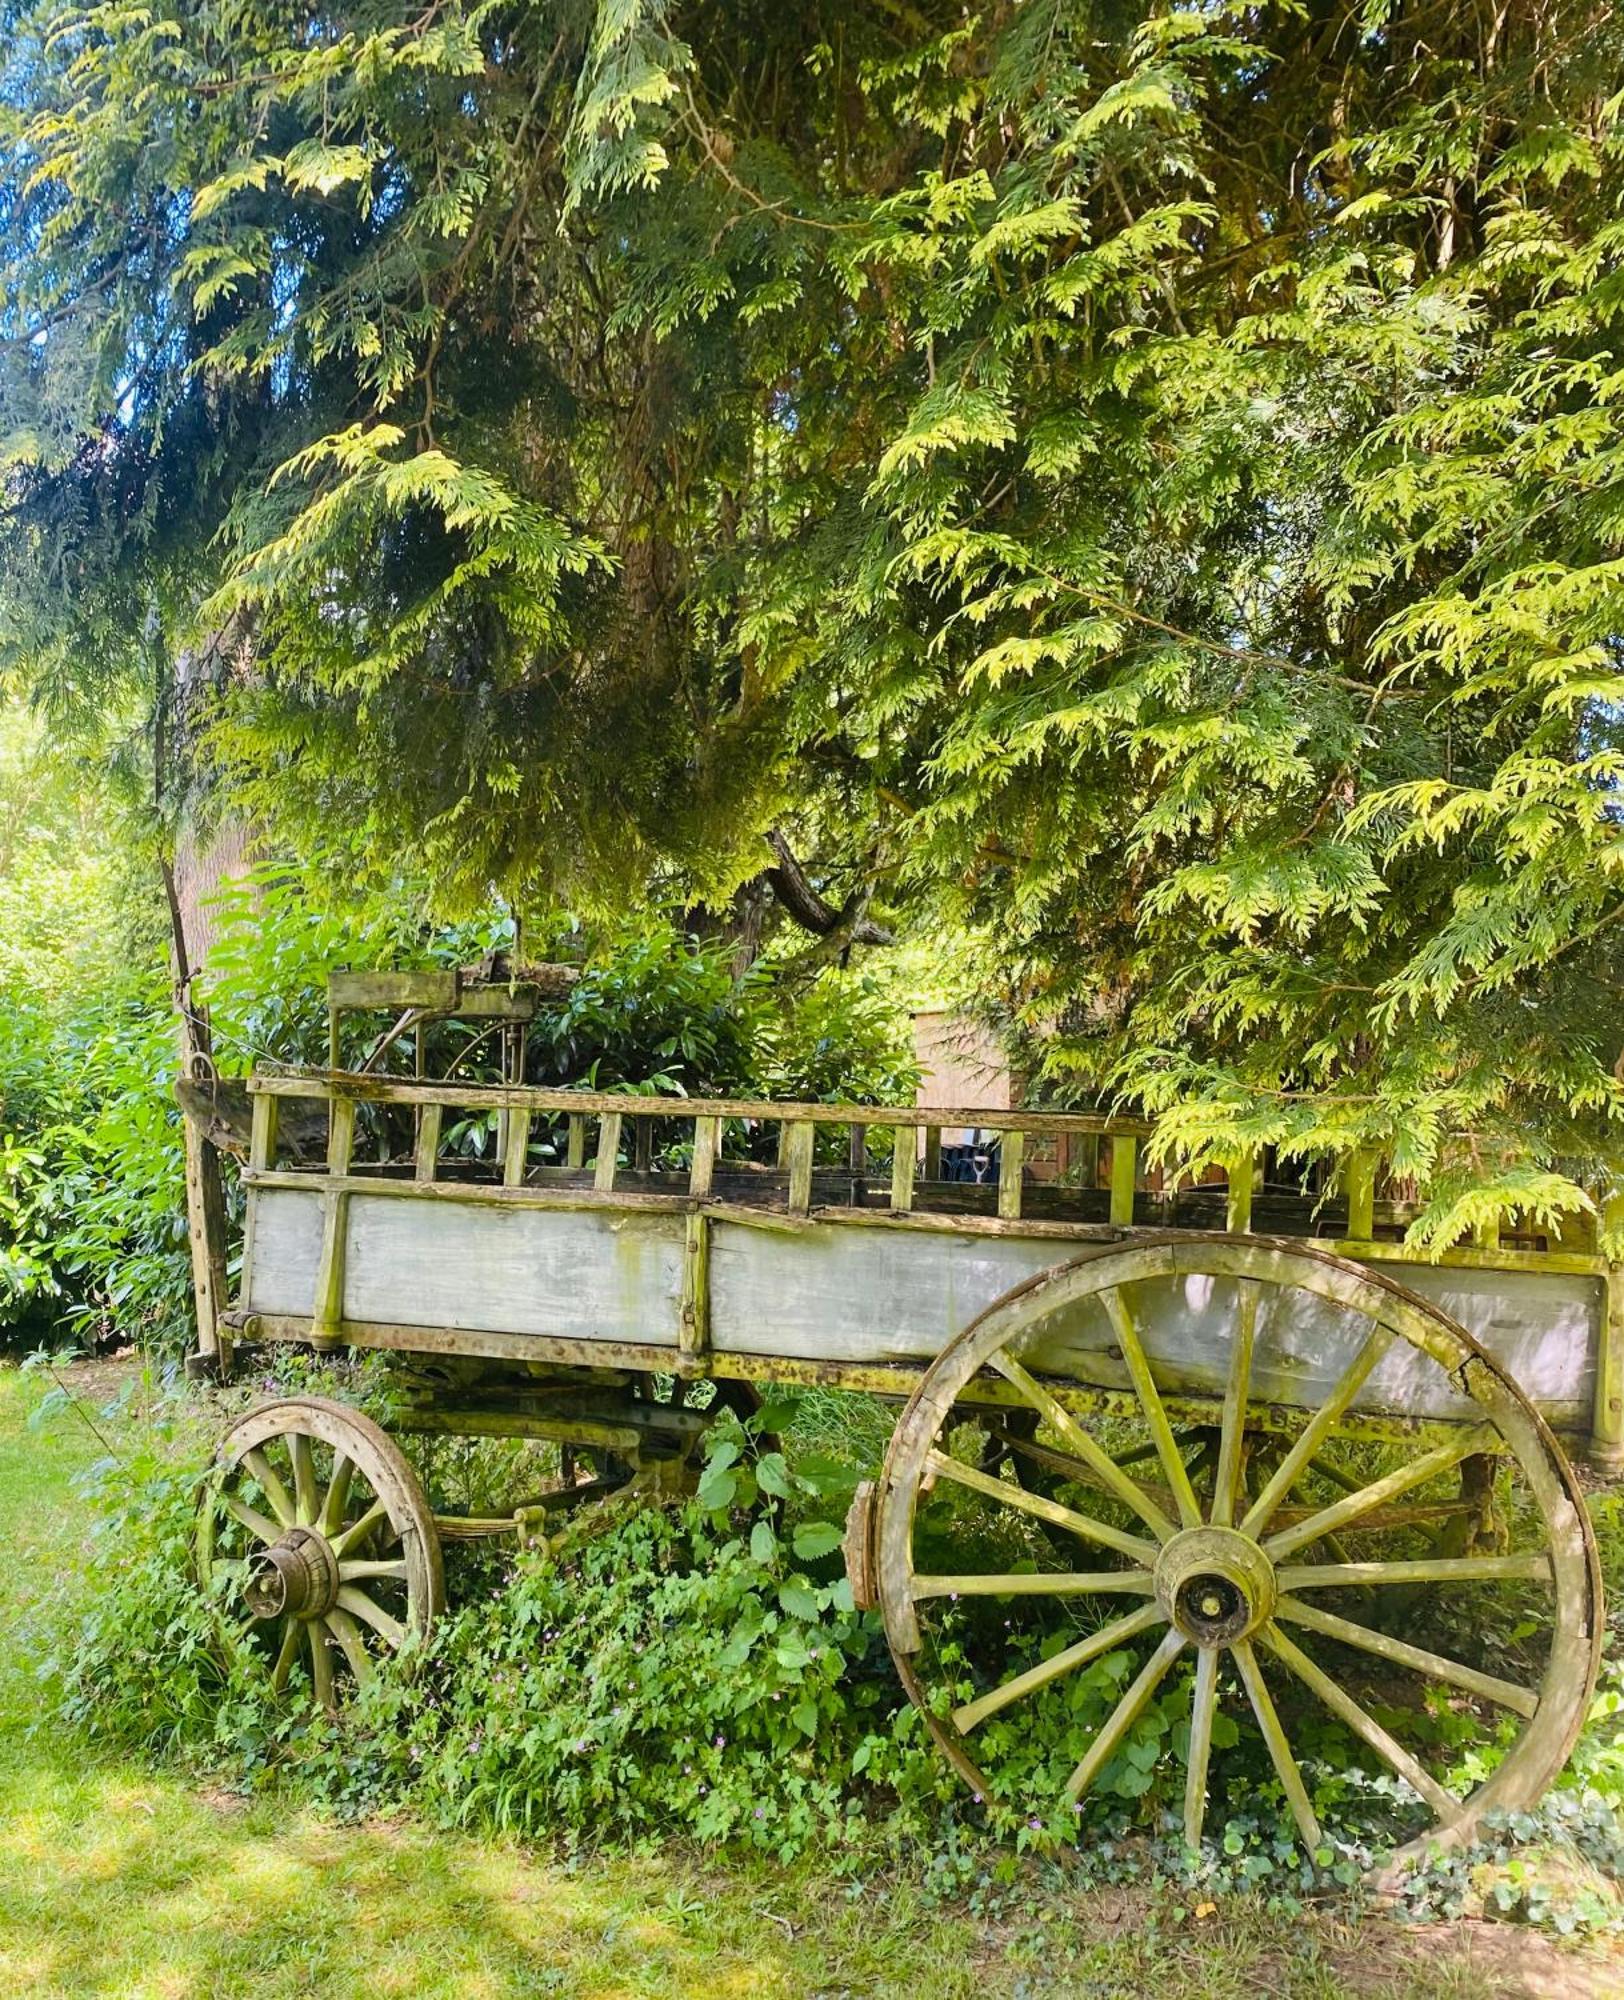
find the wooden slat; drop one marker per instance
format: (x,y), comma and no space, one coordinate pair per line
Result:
(857,1160)
(603,1178)
(902,1171)
(516,1156)
(576,1154)
(933,1151)
(428,1142)
(799,1161)
(1238,1200)
(1011,1154)
(1124,1173)
(1360,1179)
(433,988)
(707,1143)
(262,1133)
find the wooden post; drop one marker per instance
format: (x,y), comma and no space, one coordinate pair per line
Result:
(1011,1152)
(933,1152)
(1124,1173)
(799,1151)
(1607,1410)
(1238,1205)
(1360,1179)
(643,1145)
(603,1178)
(693,1322)
(707,1142)
(903,1158)
(516,1156)
(428,1142)
(329,1303)
(262,1132)
(576,1155)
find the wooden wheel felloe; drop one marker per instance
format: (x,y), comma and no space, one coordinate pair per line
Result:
(1240,1513)
(315,1536)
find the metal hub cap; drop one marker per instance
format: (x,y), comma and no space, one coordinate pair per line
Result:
(297,1575)
(1215,1585)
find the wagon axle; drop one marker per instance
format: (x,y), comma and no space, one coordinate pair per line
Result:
(1215,1585)
(296,1577)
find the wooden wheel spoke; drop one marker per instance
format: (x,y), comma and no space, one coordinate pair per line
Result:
(338,1493)
(1268,1721)
(304,1477)
(271,1484)
(1124,1715)
(321,1664)
(285,1654)
(1523,1701)
(1106,1471)
(1227,1483)
(1203,1707)
(348,1634)
(1363,1724)
(359,1605)
(358,1530)
(1318,1429)
(1102,1641)
(1043,1509)
(1161,1431)
(1425,1569)
(1480,1438)
(262,1530)
(364,1567)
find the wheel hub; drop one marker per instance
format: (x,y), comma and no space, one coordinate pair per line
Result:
(297,1575)
(1215,1585)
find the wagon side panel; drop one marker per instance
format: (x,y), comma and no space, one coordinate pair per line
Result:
(475,1267)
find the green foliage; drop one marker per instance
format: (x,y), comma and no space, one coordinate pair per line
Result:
(1134,490)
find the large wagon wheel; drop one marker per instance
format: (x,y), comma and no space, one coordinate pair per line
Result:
(1227,1553)
(316,1537)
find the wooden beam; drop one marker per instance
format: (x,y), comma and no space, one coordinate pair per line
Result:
(536,1097)
(435,989)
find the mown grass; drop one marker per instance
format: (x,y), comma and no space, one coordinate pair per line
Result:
(119,1879)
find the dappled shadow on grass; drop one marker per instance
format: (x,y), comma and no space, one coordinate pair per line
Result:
(116,1883)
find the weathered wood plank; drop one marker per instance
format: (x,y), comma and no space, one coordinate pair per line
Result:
(603,1178)
(693,1319)
(1124,1174)
(536,1097)
(428,1142)
(517,1153)
(799,1162)
(433,988)
(702,1168)
(1011,1155)
(902,1171)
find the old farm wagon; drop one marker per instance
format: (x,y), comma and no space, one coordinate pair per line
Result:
(1239,1440)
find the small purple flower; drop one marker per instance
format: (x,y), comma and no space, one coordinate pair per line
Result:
(721,1743)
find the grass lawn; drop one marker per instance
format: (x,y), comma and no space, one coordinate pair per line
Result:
(117,1879)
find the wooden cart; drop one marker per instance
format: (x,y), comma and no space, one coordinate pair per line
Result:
(1221,1429)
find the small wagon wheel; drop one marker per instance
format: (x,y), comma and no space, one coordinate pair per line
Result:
(317,1538)
(1186,1553)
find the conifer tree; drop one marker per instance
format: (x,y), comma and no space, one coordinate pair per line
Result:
(1140,485)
